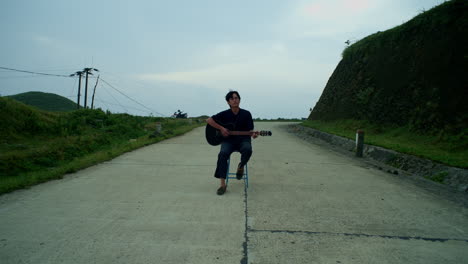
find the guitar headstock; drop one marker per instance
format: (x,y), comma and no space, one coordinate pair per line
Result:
(264,133)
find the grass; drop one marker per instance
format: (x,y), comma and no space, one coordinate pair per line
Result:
(46,101)
(37,146)
(451,150)
(38,174)
(435,17)
(412,74)
(40,163)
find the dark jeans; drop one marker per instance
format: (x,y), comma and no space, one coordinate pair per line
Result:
(244,146)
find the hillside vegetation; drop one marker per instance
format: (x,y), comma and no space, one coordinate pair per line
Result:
(413,74)
(407,86)
(37,145)
(46,101)
(450,150)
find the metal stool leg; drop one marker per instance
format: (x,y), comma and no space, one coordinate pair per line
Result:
(245,176)
(228,173)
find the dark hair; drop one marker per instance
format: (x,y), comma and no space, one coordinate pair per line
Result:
(230,94)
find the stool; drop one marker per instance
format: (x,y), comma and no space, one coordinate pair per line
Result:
(245,176)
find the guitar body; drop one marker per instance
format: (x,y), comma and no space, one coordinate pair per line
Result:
(215,137)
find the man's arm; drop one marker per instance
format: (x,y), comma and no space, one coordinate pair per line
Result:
(213,123)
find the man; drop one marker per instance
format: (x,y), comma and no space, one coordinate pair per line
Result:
(238,120)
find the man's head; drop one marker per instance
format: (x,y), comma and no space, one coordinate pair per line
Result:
(233,99)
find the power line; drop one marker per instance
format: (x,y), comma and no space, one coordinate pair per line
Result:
(117,102)
(80,73)
(38,73)
(126,110)
(130,97)
(21,77)
(129,107)
(73,87)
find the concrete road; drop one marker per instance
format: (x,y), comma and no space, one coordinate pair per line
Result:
(305,204)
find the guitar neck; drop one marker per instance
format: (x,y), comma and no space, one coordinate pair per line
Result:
(241,133)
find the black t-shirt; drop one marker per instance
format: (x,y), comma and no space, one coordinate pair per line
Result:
(240,122)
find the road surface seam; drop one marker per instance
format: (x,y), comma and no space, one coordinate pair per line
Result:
(245,258)
(361,235)
(159,164)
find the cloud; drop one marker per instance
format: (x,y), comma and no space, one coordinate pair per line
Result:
(326,18)
(55,45)
(346,18)
(257,66)
(43,40)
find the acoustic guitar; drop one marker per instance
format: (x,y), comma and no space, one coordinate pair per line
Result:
(215,137)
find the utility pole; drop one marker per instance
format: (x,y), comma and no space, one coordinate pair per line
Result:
(87,71)
(79,74)
(94,92)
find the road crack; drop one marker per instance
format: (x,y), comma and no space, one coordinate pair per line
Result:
(362,235)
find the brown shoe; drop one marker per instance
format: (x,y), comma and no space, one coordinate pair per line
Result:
(221,190)
(240,172)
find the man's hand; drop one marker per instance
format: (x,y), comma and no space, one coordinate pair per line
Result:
(255,134)
(224,132)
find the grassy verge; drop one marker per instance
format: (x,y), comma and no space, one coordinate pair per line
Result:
(43,174)
(37,146)
(449,149)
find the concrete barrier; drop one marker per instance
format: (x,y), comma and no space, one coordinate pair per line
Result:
(452,176)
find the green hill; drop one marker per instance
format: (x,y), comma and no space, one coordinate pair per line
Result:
(21,121)
(46,101)
(413,75)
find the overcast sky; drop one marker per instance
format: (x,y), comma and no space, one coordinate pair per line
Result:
(170,55)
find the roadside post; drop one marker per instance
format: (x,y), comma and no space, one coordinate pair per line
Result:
(359,143)
(158,127)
